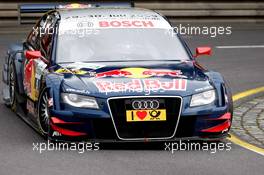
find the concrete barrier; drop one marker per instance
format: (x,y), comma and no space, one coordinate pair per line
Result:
(8,13)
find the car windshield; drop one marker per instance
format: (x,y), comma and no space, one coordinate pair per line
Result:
(119,44)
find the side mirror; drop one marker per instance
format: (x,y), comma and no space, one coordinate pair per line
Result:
(32,54)
(203,51)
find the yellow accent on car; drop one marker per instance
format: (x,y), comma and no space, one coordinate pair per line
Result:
(146,115)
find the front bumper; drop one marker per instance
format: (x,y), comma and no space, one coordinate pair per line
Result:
(202,123)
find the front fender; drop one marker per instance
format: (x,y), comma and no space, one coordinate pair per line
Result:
(53,82)
(222,88)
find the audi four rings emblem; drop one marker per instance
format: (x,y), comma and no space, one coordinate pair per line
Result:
(145,104)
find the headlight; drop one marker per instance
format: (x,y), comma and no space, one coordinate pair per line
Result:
(203,98)
(79,101)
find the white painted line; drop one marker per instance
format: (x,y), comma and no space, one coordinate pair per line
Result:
(240,47)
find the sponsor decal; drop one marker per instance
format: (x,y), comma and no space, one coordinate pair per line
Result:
(175,84)
(113,73)
(56,134)
(160,73)
(145,115)
(203,88)
(74,24)
(40,70)
(75,6)
(30,107)
(81,65)
(77,91)
(126,24)
(138,72)
(116,16)
(72,71)
(33,71)
(29,76)
(142,85)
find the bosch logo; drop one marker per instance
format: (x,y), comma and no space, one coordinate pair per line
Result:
(145,104)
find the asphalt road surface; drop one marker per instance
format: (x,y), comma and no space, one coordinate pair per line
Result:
(243,68)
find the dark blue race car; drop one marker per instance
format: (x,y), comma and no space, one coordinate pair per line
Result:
(114,74)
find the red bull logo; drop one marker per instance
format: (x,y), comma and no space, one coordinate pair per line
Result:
(113,73)
(142,85)
(160,73)
(140,73)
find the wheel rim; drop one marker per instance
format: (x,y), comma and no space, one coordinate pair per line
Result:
(12,85)
(44,112)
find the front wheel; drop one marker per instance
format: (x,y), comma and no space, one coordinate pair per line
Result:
(43,118)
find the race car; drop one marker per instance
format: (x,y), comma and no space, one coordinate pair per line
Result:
(114,74)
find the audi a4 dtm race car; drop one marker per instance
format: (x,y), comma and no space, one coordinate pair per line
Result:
(114,74)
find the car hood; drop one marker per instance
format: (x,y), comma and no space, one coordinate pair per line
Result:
(109,79)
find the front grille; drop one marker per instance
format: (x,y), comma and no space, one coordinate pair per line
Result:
(145,129)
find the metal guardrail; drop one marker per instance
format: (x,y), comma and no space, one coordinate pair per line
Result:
(8,13)
(207,9)
(12,13)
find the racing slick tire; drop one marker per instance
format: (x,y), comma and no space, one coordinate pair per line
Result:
(43,114)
